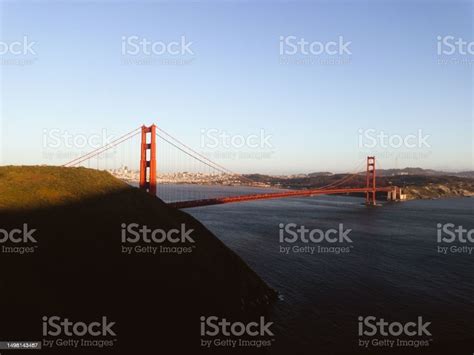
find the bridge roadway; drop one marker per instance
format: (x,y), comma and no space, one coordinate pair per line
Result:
(254,197)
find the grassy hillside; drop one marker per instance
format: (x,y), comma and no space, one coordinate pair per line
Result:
(78,269)
(41,186)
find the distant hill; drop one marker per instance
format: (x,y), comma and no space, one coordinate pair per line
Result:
(323,173)
(468,174)
(78,270)
(417,183)
(380,172)
(423,172)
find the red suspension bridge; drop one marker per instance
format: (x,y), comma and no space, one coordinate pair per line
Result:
(181,168)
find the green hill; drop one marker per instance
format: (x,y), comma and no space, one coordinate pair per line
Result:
(26,187)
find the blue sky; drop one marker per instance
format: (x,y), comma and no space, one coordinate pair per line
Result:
(236,83)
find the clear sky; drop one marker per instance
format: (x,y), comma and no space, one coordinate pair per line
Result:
(238,82)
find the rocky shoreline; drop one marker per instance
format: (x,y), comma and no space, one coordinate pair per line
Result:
(436,191)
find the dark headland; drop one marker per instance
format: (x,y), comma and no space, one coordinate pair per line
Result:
(78,271)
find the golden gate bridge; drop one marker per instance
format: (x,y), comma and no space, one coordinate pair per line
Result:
(150,163)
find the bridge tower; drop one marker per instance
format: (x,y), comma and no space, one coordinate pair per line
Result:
(370,180)
(148,160)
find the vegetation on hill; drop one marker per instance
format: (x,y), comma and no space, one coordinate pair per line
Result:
(26,187)
(425,187)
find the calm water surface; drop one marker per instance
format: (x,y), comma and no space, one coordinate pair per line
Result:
(393,268)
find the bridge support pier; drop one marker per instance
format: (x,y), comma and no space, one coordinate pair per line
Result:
(148,160)
(370,180)
(396,194)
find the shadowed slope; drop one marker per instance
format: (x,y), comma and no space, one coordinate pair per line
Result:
(78,270)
